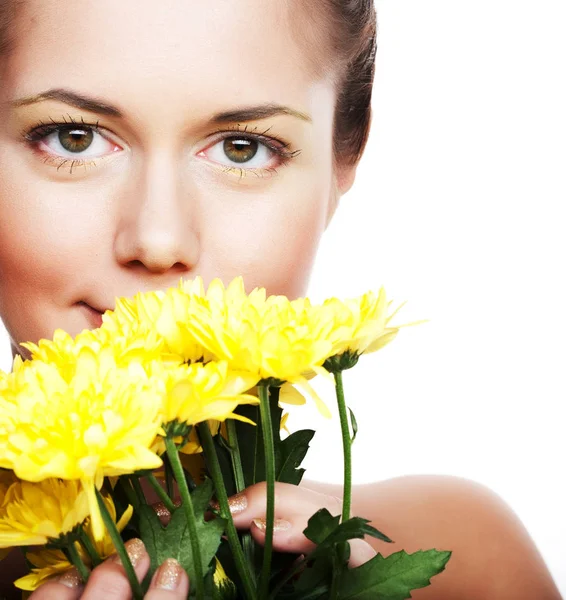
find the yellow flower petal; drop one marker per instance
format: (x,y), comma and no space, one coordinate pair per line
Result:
(35,513)
(289,394)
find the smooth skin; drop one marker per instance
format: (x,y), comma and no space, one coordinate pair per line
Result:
(196,139)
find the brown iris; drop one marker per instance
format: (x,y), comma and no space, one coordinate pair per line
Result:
(76,139)
(240,150)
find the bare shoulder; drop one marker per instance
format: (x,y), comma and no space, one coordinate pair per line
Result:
(493,556)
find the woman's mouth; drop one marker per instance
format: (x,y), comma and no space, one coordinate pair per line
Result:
(93,315)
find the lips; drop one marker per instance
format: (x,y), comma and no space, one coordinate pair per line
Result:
(93,315)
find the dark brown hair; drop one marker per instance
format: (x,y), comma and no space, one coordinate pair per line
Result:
(346,29)
(353,37)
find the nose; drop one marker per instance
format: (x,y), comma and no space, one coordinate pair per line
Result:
(156,229)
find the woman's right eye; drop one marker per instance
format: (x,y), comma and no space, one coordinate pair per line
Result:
(72,141)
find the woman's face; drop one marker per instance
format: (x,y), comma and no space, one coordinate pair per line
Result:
(143,141)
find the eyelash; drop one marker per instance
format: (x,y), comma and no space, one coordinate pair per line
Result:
(280,148)
(277,146)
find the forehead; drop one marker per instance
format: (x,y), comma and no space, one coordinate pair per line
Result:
(190,52)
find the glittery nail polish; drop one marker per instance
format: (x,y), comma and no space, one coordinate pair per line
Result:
(278,524)
(238,503)
(161,511)
(168,576)
(70,578)
(135,549)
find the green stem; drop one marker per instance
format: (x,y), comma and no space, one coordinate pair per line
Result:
(268,446)
(216,473)
(173,455)
(138,489)
(90,548)
(126,485)
(161,493)
(77,561)
(347,445)
(240,482)
(169,478)
(137,591)
(347,492)
(235,454)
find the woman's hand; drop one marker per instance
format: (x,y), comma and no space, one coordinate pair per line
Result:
(109,580)
(294,506)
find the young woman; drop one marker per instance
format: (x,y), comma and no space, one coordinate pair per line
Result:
(142,142)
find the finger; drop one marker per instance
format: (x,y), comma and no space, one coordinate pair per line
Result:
(163,513)
(288,536)
(68,586)
(360,553)
(294,506)
(169,582)
(109,580)
(289,500)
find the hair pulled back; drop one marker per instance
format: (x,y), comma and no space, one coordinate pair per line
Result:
(353,42)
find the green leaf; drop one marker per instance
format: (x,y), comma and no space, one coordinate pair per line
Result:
(354,425)
(173,541)
(321,525)
(292,451)
(325,530)
(289,453)
(392,578)
(313,582)
(251,445)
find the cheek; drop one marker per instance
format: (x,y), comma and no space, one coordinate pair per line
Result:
(41,261)
(271,240)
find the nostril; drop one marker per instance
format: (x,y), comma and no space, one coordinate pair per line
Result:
(137,264)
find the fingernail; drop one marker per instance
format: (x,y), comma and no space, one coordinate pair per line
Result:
(237,504)
(70,578)
(278,524)
(168,576)
(135,549)
(162,513)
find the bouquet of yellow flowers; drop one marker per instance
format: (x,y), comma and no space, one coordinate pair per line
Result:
(187,386)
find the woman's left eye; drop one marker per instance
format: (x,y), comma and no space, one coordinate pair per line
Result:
(244,152)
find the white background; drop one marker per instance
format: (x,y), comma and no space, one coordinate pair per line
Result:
(457,209)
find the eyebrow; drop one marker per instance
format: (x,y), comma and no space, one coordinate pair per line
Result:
(256,113)
(250,113)
(73,99)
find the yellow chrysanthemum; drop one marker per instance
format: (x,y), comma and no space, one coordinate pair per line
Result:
(3,379)
(356,326)
(272,337)
(99,422)
(124,346)
(202,392)
(164,313)
(35,513)
(49,564)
